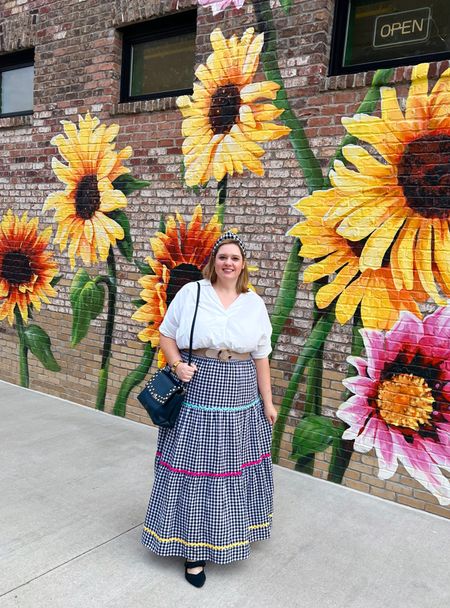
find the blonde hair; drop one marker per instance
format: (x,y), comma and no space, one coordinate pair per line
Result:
(209,272)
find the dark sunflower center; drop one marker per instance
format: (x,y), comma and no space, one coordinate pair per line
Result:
(357,247)
(424,175)
(16,268)
(224,108)
(87,197)
(179,276)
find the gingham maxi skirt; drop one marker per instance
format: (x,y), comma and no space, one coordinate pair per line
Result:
(213,489)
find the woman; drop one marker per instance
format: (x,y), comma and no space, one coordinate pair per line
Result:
(213,488)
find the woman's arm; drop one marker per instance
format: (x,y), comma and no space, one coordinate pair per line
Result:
(170,349)
(265,388)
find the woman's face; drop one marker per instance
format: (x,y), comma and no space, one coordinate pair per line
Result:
(229,262)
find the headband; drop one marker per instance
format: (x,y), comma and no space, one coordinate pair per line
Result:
(229,236)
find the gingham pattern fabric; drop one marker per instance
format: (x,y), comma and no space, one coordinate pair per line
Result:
(213,488)
(229,235)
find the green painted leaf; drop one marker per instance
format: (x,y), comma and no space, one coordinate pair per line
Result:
(87,299)
(138,303)
(313,434)
(79,280)
(38,342)
(144,268)
(127,184)
(126,244)
(56,280)
(286,5)
(162,224)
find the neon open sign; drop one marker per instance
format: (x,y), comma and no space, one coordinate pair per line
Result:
(402,28)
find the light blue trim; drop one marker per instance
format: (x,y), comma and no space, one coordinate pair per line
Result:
(239,408)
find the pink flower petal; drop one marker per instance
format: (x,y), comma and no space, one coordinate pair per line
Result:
(359,364)
(404,337)
(354,412)
(446,391)
(438,452)
(374,345)
(385,450)
(365,440)
(219,5)
(359,385)
(435,343)
(421,467)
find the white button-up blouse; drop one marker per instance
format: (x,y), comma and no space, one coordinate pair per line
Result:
(243,327)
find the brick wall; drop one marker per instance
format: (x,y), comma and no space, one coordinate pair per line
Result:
(77,69)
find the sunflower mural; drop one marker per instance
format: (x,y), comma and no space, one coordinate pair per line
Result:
(82,210)
(91,220)
(226,118)
(179,256)
(379,243)
(27,278)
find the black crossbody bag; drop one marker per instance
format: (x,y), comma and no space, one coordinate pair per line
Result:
(164,393)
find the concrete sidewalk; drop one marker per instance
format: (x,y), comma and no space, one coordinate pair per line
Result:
(74,486)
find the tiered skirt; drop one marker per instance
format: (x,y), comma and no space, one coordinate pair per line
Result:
(213,489)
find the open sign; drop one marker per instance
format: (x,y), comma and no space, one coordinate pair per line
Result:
(402,28)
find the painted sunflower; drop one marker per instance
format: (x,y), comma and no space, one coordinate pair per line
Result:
(374,290)
(225,117)
(82,208)
(179,256)
(400,208)
(26,268)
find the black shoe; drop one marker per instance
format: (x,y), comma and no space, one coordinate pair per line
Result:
(198,580)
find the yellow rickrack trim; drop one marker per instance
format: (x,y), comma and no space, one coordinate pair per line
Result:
(208,545)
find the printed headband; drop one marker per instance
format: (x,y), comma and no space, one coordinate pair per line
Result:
(229,236)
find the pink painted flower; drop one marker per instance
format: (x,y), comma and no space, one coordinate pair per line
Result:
(400,405)
(220,5)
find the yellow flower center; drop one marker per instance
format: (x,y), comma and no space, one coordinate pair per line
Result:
(424,175)
(16,268)
(405,400)
(224,108)
(87,197)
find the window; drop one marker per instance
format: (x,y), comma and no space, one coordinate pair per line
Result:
(370,34)
(158,57)
(16,83)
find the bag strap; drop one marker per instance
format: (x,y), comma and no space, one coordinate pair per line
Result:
(193,324)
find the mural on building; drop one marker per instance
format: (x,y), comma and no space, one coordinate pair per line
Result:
(28,274)
(91,221)
(374,228)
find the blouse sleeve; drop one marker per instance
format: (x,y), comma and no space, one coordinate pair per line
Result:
(172,318)
(264,347)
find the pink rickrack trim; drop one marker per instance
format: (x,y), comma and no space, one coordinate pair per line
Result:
(206,474)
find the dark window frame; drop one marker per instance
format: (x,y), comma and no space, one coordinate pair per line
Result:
(336,67)
(15,61)
(156,29)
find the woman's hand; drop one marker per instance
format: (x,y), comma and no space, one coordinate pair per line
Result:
(185,371)
(270,413)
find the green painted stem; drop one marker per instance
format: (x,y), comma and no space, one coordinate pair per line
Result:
(312,345)
(305,156)
(107,342)
(313,397)
(287,292)
(24,373)
(368,105)
(221,199)
(343,448)
(133,379)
